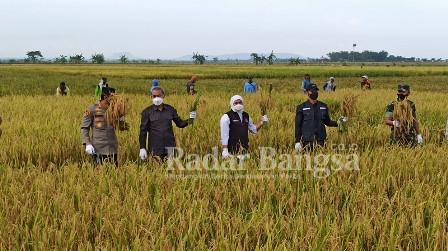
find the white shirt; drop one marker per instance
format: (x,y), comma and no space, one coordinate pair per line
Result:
(225,127)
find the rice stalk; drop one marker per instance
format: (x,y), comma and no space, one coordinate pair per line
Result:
(348,108)
(265,103)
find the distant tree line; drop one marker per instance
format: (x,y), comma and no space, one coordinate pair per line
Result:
(257,59)
(372,56)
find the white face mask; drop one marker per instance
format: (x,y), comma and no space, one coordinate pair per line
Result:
(238,108)
(157,101)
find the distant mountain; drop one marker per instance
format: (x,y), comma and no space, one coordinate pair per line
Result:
(240,56)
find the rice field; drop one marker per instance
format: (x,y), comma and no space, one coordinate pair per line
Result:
(53,198)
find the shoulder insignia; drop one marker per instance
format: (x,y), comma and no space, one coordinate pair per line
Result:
(87,113)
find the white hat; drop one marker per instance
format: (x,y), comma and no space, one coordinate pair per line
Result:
(235,98)
(365,76)
(331,78)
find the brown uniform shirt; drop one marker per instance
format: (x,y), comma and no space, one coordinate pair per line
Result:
(104,139)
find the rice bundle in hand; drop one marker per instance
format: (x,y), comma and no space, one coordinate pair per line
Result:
(348,109)
(118,107)
(403,114)
(194,107)
(265,104)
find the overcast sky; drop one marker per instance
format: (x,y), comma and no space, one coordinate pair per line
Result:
(168,29)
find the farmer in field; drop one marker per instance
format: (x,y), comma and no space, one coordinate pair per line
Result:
(330,86)
(365,83)
(155,82)
(235,125)
(156,123)
(101,84)
(190,85)
(311,118)
(250,86)
(306,82)
(62,90)
(401,117)
(103,144)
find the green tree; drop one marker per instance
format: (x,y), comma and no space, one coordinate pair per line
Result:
(255,58)
(198,58)
(61,60)
(32,56)
(77,59)
(123,59)
(271,58)
(294,61)
(98,58)
(263,59)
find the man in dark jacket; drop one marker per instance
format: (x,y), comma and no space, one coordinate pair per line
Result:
(157,123)
(311,118)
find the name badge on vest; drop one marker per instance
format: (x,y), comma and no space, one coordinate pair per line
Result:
(307,108)
(236,120)
(323,108)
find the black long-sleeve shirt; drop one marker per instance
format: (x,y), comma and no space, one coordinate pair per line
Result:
(311,120)
(158,124)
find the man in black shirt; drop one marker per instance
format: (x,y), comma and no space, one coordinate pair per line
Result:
(311,118)
(157,122)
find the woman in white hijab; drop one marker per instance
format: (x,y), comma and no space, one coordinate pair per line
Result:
(235,125)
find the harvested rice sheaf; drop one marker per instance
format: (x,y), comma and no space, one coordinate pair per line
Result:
(403,114)
(118,107)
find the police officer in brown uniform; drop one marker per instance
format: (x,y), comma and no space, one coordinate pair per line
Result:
(103,144)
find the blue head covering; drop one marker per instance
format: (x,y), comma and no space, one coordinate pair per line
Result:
(155,82)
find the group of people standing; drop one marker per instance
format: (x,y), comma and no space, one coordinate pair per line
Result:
(156,135)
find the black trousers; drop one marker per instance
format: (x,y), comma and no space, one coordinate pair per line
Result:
(99,159)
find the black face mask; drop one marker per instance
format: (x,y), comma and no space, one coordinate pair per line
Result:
(401,96)
(314,95)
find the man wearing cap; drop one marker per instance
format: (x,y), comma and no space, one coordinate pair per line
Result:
(365,83)
(250,86)
(155,82)
(62,90)
(156,127)
(311,118)
(235,125)
(103,144)
(101,84)
(330,85)
(306,82)
(407,131)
